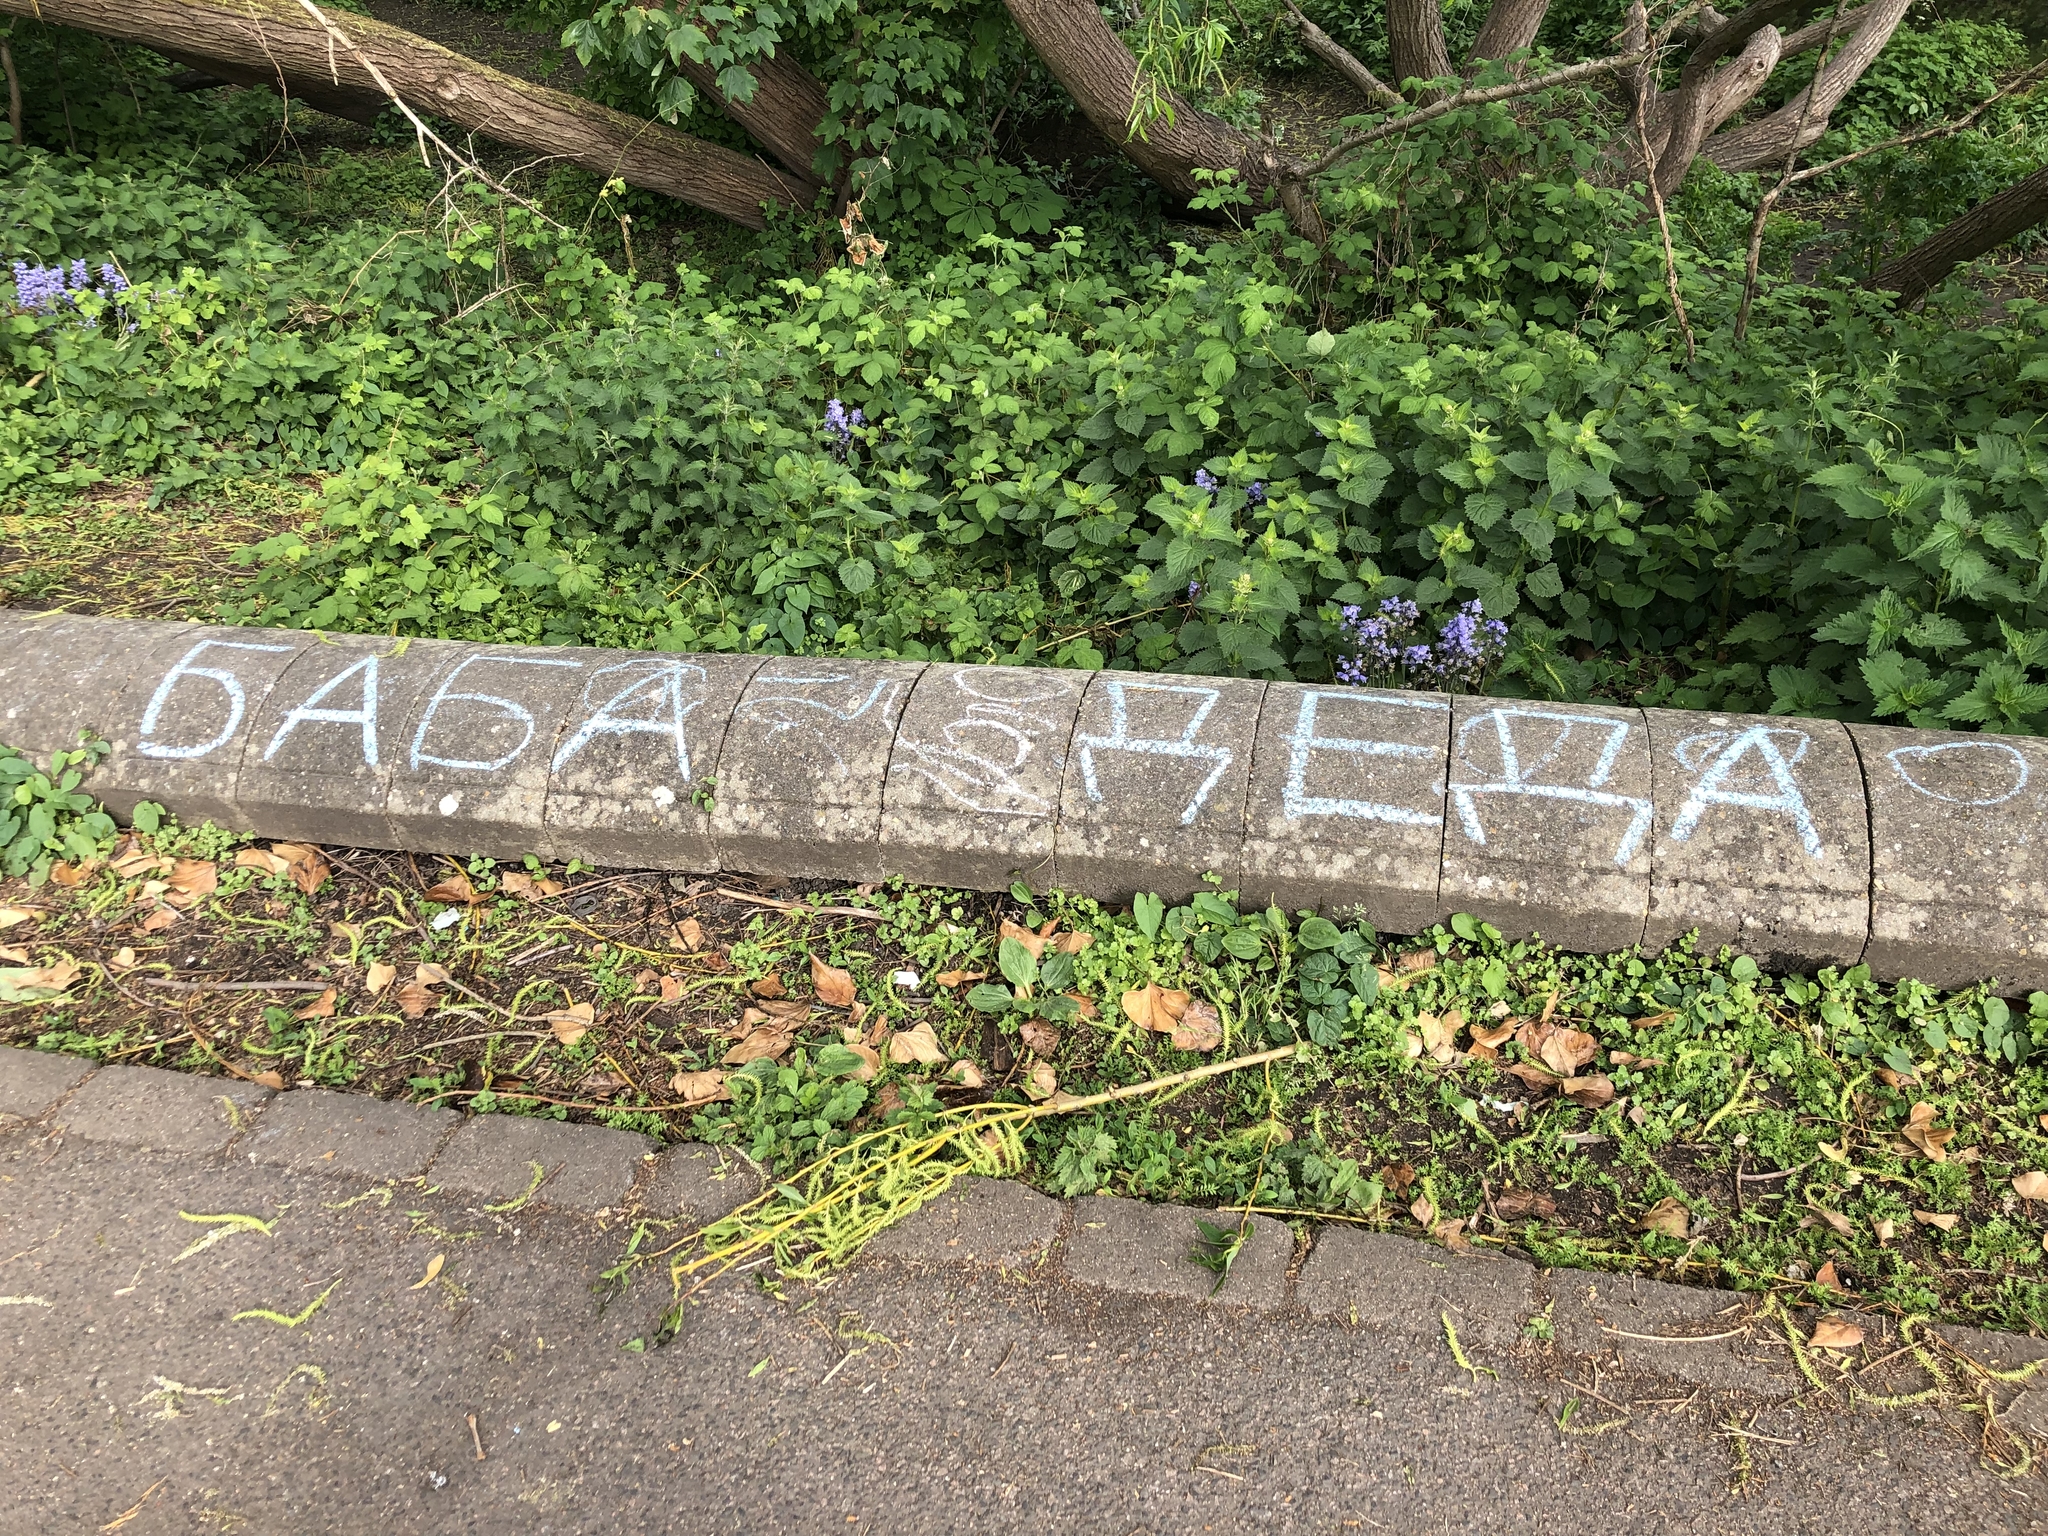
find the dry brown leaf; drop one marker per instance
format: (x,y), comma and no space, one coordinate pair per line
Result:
(517,883)
(130,866)
(158,920)
(1084,1003)
(71,876)
(870,1060)
(258,859)
(1452,1235)
(769,986)
(1029,938)
(671,988)
(644,978)
(1595,1090)
(304,863)
(1564,1051)
(428,974)
(16,954)
(1885,1228)
(379,976)
(1200,1028)
(2031,1185)
(834,987)
(194,878)
(1155,1007)
(1041,1082)
(918,1044)
(124,959)
(455,891)
(1893,1079)
(11,917)
(600,1085)
(966,1074)
(1073,943)
(48,978)
(433,1272)
(1835,1333)
(1041,1036)
(572,1023)
(1923,1133)
(1667,1218)
(1841,1224)
(787,1011)
(768,1041)
(1522,1202)
(1416,961)
(322,1007)
(1495,1034)
(414,999)
(1437,1032)
(690,934)
(701,1087)
(1423,1211)
(958,978)
(1536,1077)
(1397,1176)
(1483,1052)
(272,1079)
(1825,1276)
(1941,1219)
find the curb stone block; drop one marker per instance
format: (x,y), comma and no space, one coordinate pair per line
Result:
(2000,1351)
(313,1130)
(179,726)
(1345,809)
(695,1183)
(160,1111)
(1381,1280)
(974,777)
(2028,1413)
(1958,857)
(1147,1250)
(61,675)
(323,744)
(1154,794)
(470,774)
(1763,839)
(801,773)
(1548,826)
(585,1167)
(32,1082)
(1606,1316)
(637,754)
(980,1221)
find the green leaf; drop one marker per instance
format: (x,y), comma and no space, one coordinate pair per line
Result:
(835,1060)
(856,575)
(1465,926)
(1148,909)
(1365,982)
(1319,933)
(989,998)
(1018,965)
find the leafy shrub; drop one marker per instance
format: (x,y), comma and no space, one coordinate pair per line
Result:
(44,816)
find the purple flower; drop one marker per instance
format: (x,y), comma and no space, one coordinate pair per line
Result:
(1387,650)
(1204,481)
(55,290)
(1194,590)
(842,424)
(1255,494)
(1468,644)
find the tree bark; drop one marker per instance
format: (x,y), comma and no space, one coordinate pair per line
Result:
(278,43)
(782,115)
(1980,231)
(1344,61)
(1415,35)
(1098,71)
(1769,139)
(1509,27)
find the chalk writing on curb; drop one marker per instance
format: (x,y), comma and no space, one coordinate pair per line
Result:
(1517,773)
(364,717)
(512,711)
(1120,739)
(781,712)
(978,758)
(1994,760)
(238,702)
(1303,742)
(663,688)
(1718,757)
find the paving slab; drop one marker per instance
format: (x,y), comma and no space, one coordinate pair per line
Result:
(1154,793)
(1548,829)
(1148,1250)
(1345,809)
(695,1183)
(1384,1281)
(974,777)
(1958,856)
(32,1082)
(311,1130)
(637,761)
(1684,1332)
(800,776)
(179,724)
(978,1221)
(1763,838)
(323,744)
(470,773)
(159,1111)
(583,1167)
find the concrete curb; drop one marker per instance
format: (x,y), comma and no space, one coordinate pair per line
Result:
(1802,842)
(1498,1304)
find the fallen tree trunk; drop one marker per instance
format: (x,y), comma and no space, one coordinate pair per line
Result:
(1977,233)
(784,112)
(277,43)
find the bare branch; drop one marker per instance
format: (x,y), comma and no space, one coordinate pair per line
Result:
(1343,60)
(1761,142)
(1477,96)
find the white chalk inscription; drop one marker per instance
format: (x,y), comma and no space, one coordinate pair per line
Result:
(1515,731)
(1185,745)
(231,685)
(1303,743)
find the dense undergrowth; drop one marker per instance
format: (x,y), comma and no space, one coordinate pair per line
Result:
(1094,446)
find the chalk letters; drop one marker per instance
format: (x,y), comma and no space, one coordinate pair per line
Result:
(659,687)
(1517,775)
(365,717)
(512,711)
(1120,739)
(1727,754)
(1303,742)
(1994,759)
(238,702)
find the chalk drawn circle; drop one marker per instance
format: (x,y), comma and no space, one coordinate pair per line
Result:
(449,804)
(1695,752)
(1987,764)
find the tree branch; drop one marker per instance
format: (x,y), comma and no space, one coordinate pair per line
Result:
(1343,60)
